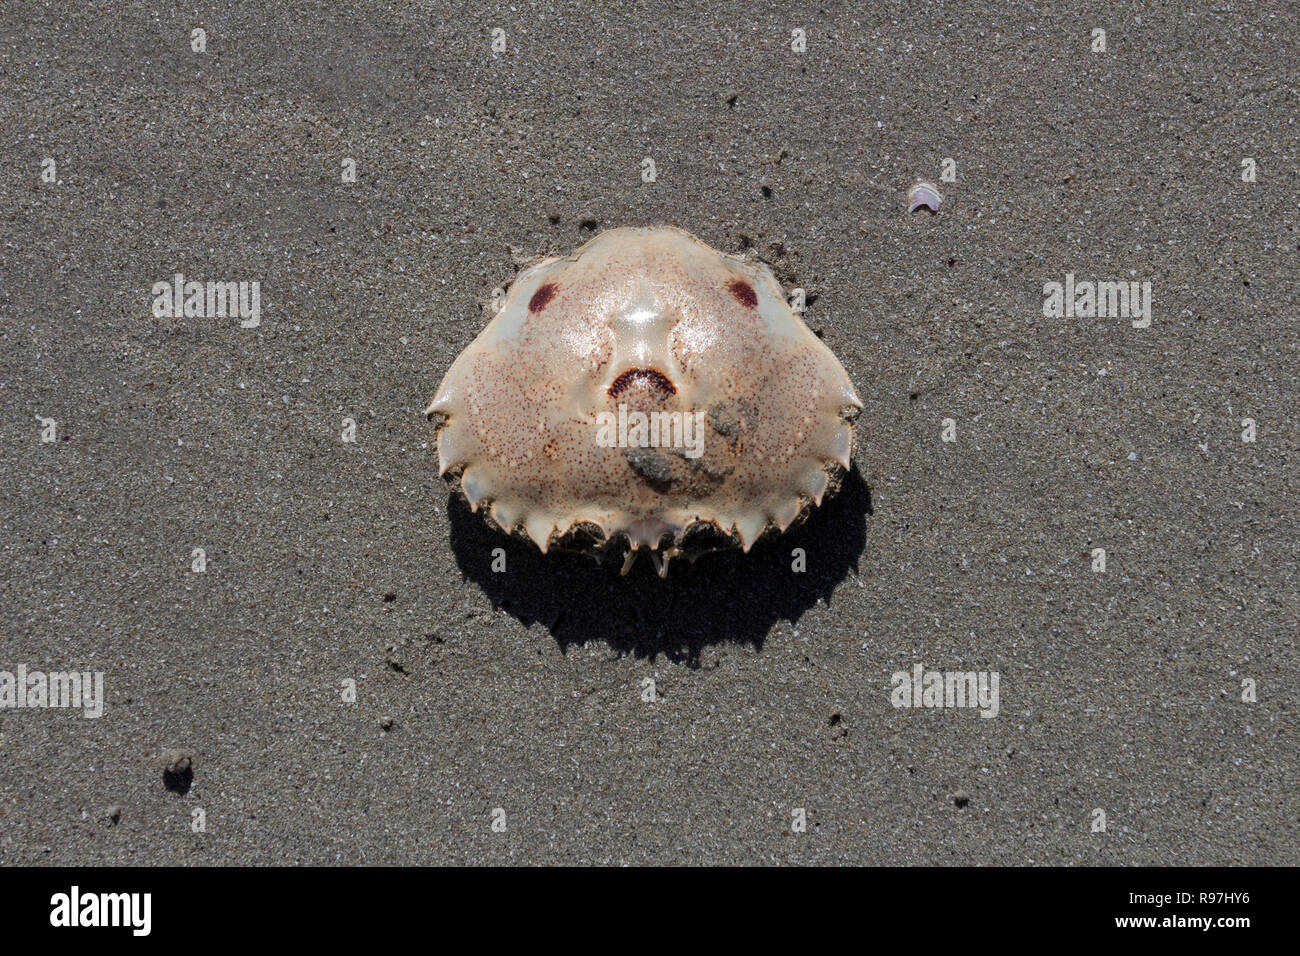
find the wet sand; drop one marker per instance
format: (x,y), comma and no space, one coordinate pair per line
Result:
(519,697)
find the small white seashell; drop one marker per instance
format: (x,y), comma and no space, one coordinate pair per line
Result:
(923,194)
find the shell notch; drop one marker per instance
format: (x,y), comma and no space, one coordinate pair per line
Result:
(648,393)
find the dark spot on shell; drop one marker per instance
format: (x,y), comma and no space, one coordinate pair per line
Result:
(743,293)
(542,297)
(723,422)
(654,469)
(648,376)
(732,419)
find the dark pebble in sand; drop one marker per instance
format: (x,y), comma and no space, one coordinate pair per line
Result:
(178,771)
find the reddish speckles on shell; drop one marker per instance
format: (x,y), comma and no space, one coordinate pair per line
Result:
(669,397)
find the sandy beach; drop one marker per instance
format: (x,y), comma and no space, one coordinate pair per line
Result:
(305,655)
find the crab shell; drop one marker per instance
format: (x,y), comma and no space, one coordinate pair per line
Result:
(744,415)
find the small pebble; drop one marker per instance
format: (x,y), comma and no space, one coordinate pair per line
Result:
(178,771)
